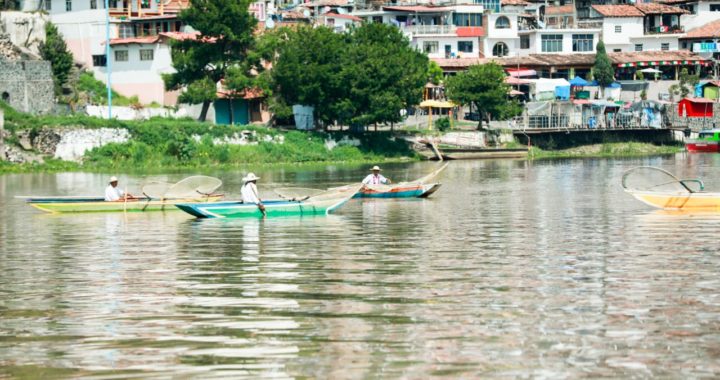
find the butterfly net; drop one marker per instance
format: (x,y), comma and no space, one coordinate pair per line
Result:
(648,178)
(297,193)
(156,189)
(198,186)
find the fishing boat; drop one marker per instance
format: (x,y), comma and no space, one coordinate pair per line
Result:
(321,204)
(661,189)
(419,188)
(707,141)
(98,204)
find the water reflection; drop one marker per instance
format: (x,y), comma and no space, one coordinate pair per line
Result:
(514,269)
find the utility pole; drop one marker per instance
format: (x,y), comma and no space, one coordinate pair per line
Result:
(108,60)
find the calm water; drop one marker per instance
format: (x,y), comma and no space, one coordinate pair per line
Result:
(513,269)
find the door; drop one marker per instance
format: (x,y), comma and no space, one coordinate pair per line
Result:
(448,51)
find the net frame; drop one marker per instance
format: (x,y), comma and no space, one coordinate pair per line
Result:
(193,187)
(661,181)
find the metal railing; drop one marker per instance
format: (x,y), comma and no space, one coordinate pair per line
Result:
(430,29)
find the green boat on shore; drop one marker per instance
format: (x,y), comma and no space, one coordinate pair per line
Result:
(98,204)
(320,204)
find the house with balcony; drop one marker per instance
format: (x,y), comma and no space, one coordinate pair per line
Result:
(700,12)
(445,33)
(640,27)
(704,39)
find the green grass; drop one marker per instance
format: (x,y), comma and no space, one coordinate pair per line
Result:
(626,149)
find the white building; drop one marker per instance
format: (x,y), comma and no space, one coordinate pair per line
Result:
(640,27)
(339,22)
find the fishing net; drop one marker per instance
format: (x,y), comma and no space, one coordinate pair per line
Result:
(337,193)
(432,175)
(648,178)
(297,193)
(156,189)
(193,187)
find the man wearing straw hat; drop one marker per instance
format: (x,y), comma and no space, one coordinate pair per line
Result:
(113,192)
(375,178)
(249,192)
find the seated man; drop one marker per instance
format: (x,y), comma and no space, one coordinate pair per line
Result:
(375,178)
(113,193)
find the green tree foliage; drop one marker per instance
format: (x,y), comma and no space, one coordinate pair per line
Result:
(224,50)
(55,50)
(435,72)
(484,87)
(366,76)
(602,69)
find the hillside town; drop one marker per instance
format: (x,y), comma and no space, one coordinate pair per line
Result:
(547,50)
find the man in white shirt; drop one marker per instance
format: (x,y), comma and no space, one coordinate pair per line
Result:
(249,192)
(113,193)
(375,178)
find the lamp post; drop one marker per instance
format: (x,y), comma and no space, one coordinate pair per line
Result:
(108,61)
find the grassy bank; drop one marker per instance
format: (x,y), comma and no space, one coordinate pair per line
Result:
(620,149)
(175,144)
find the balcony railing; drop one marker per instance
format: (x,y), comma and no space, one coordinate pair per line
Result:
(664,29)
(430,29)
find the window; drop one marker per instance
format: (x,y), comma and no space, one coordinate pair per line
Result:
(99,60)
(618,28)
(465,46)
(551,43)
(146,54)
(714,7)
(500,50)
(121,55)
(48,5)
(431,47)
(467,19)
(582,42)
(524,42)
(113,3)
(617,50)
(68,5)
(145,4)
(665,46)
(93,4)
(502,22)
(638,47)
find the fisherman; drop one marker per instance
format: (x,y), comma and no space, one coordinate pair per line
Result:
(249,192)
(375,178)
(113,192)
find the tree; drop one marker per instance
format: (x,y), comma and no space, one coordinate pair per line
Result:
(55,50)
(484,87)
(384,74)
(223,50)
(435,73)
(602,69)
(308,71)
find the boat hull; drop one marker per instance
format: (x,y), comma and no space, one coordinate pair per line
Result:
(398,191)
(475,154)
(60,205)
(703,146)
(273,208)
(680,201)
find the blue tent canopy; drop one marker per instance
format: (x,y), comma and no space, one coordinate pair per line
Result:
(578,82)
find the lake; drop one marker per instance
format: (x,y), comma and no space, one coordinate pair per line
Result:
(542,269)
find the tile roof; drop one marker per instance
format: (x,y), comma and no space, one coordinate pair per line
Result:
(457,63)
(342,16)
(325,3)
(622,10)
(514,2)
(654,56)
(175,6)
(561,10)
(657,9)
(179,36)
(709,30)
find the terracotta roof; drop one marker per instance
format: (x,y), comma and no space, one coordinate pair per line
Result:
(293,15)
(675,1)
(561,10)
(417,8)
(457,63)
(175,6)
(325,3)
(342,16)
(654,56)
(179,36)
(657,9)
(622,10)
(514,2)
(709,30)
(547,60)
(470,31)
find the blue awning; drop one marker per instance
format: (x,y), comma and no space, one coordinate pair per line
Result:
(578,82)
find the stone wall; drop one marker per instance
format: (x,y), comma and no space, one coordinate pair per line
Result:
(70,144)
(27,85)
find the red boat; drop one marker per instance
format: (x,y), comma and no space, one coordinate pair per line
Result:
(707,141)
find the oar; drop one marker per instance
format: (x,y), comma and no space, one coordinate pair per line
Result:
(146,203)
(125,201)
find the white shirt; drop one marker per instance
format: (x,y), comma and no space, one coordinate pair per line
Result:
(113,193)
(249,193)
(373,179)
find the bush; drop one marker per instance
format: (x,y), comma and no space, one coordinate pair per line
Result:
(442,124)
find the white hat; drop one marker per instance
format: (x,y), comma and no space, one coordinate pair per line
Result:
(113,179)
(375,168)
(250,177)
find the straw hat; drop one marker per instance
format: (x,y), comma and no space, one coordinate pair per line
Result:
(113,179)
(250,177)
(375,168)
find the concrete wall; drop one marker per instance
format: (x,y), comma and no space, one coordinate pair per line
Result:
(26,30)
(567,41)
(629,27)
(27,85)
(84,33)
(418,42)
(654,42)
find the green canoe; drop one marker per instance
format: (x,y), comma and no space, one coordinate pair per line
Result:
(323,203)
(95,204)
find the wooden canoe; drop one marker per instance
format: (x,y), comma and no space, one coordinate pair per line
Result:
(98,204)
